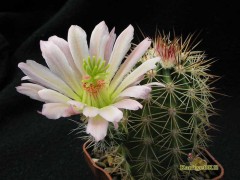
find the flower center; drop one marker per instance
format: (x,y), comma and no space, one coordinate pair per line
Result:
(94,88)
(94,82)
(95,69)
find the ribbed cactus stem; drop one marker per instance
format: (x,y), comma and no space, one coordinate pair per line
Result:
(174,119)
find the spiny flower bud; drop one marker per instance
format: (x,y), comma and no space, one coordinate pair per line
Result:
(167,50)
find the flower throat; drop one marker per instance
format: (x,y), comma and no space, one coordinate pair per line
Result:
(95,69)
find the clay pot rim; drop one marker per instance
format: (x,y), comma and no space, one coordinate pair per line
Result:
(220,176)
(87,155)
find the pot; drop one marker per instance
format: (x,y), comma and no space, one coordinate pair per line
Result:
(220,172)
(101,174)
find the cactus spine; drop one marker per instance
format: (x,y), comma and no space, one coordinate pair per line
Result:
(175,119)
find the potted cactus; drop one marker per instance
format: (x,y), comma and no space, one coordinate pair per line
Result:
(162,136)
(169,134)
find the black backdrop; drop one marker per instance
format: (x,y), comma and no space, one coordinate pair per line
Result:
(33,147)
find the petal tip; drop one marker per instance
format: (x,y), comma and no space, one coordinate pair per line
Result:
(21,64)
(51,38)
(43,45)
(130,27)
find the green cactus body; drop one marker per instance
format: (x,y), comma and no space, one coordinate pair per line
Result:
(153,142)
(174,119)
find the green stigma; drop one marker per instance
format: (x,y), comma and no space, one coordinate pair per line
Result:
(95,69)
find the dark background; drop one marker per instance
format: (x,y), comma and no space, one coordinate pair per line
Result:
(33,147)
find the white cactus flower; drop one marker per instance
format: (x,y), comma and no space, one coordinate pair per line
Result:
(91,81)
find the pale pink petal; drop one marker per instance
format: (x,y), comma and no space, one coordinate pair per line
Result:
(155,84)
(111,113)
(120,49)
(73,110)
(140,92)
(43,76)
(64,47)
(98,40)
(25,78)
(58,64)
(52,96)
(57,110)
(109,45)
(76,106)
(77,40)
(130,62)
(90,111)
(30,90)
(129,104)
(138,80)
(102,46)
(115,124)
(138,72)
(97,127)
